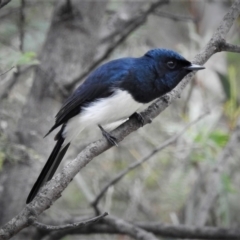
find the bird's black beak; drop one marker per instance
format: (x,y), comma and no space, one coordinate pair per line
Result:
(194,67)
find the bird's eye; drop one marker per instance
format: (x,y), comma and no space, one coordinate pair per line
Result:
(171,64)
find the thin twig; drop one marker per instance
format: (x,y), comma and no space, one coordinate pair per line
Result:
(4,2)
(182,231)
(133,166)
(129,229)
(69,226)
(10,83)
(174,17)
(21,25)
(228,47)
(1,74)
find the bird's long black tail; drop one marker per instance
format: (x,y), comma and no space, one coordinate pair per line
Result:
(50,167)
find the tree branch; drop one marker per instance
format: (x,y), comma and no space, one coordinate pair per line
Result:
(69,226)
(52,190)
(8,85)
(163,230)
(1,74)
(174,17)
(129,229)
(228,47)
(4,2)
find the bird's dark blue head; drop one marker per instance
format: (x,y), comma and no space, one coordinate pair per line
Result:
(171,67)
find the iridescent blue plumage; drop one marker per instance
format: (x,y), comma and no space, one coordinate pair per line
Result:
(112,93)
(146,78)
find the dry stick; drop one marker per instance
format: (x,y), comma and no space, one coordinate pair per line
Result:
(174,17)
(129,229)
(163,230)
(1,74)
(133,166)
(52,190)
(69,226)
(4,2)
(182,231)
(9,84)
(231,47)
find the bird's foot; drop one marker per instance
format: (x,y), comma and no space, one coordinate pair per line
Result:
(112,140)
(139,117)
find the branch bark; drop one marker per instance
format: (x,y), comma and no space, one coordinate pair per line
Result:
(69,226)
(4,3)
(129,229)
(159,229)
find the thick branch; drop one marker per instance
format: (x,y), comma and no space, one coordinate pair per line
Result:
(163,230)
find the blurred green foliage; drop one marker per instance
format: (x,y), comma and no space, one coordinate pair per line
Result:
(27,58)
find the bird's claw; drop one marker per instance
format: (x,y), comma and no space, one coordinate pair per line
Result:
(111,139)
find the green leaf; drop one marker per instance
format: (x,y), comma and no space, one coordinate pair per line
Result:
(27,58)
(219,137)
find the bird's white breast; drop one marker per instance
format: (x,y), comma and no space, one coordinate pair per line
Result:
(104,111)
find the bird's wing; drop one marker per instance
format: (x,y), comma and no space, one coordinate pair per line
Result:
(97,86)
(82,96)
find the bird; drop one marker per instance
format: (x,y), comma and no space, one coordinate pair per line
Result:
(110,95)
